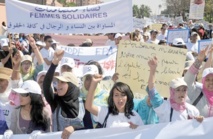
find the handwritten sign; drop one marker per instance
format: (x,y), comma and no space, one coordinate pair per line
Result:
(133,69)
(202,44)
(178,33)
(196,9)
(106,56)
(100,18)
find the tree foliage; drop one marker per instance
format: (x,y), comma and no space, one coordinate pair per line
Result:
(181,7)
(142,11)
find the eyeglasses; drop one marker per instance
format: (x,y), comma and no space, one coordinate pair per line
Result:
(50,41)
(25,95)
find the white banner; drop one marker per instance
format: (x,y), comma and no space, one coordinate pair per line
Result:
(196,9)
(108,17)
(105,55)
(178,33)
(189,129)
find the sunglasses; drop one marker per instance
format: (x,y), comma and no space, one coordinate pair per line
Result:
(50,41)
(25,95)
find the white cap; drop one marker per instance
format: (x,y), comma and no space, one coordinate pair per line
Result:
(146,34)
(175,83)
(26,58)
(55,42)
(88,41)
(207,71)
(41,73)
(212,31)
(178,42)
(29,86)
(90,70)
(194,33)
(118,35)
(40,43)
(4,42)
(68,61)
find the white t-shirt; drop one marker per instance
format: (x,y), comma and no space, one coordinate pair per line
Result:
(119,120)
(162,36)
(156,41)
(47,54)
(110,43)
(164,110)
(192,47)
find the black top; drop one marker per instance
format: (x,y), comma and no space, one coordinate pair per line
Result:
(4,54)
(69,103)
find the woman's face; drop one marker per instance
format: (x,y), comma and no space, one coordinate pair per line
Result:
(3,85)
(40,81)
(180,94)
(87,81)
(62,88)
(119,100)
(26,66)
(209,82)
(24,99)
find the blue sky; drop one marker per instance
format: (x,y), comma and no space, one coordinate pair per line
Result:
(153,4)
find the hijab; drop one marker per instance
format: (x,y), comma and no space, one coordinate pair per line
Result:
(69,103)
(208,94)
(176,106)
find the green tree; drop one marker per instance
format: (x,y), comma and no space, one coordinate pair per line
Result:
(208,13)
(143,11)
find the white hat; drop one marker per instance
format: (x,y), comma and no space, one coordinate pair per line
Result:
(29,86)
(40,43)
(90,70)
(212,31)
(16,36)
(4,42)
(175,83)
(41,73)
(55,42)
(88,41)
(118,35)
(194,33)
(146,34)
(26,58)
(207,71)
(68,61)
(178,42)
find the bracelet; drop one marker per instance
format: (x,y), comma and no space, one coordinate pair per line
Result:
(17,70)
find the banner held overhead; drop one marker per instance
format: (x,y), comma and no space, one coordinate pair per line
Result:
(101,18)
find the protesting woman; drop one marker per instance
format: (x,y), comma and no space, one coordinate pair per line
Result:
(67,108)
(201,96)
(119,112)
(28,71)
(176,108)
(31,114)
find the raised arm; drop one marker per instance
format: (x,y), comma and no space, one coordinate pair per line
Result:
(152,65)
(90,96)
(36,51)
(47,89)
(191,74)
(155,98)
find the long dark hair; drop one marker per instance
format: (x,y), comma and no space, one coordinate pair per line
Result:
(38,117)
(125,89)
